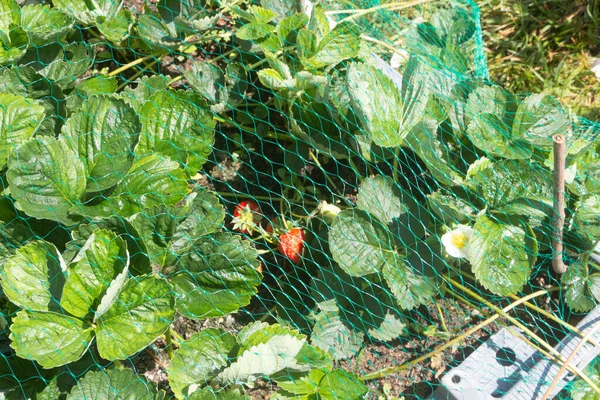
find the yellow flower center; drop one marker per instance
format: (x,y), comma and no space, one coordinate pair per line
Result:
(459,240)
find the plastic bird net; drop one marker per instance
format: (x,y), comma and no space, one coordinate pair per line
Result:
(288,200)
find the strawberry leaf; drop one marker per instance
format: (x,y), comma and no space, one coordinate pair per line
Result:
(49,338)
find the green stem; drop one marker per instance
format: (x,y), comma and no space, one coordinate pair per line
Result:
(442,319)
(177,78)
(177,336)
(393,370)
(119,364)
(355,169)
(138,74)
(257,64)
(396,164)
(331,182)
(268,314)
(129,65)
(169,341)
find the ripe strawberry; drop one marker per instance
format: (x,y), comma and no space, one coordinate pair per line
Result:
(291,244)
(246,216)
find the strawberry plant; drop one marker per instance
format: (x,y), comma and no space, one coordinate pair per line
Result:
(158,162)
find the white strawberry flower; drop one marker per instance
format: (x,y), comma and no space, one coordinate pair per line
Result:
(456,242)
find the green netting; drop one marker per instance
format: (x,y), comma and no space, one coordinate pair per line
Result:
(277,199)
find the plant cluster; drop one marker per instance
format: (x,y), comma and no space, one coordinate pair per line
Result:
(108,235)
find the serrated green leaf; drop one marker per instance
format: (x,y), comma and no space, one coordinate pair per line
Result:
(255,31)
(156,227)
(100,260)
(209,393)
(334,336)
(206,216)
(168,232)
(95,85)
(282,8)
(492,111)
(207,80)
(217,278)
(146,306)
(151,181)
(272,80)
(579,296)
(340,384)
(15,41)
(360,243)
(199,359)
(384,199)
(105,132)
(44,24)
(585,223)
(307,43)
(111,294)
(176,128)
(49,338)
(112,384)
(342,43)
(538,118)
(139,262)
(326,385)
(390,328)
(278,354)
(490,134)
(87,12)
(116,28)
(424,142)
(46,179)
(455,206)
(318,23)
(19,119)
(33,277)
(288,27)
(9,14)
(502,255)
(415,95)
(262,333)
(312,121)
(580,389)
(408,287)
(377,113)
(155,31)
(69,63)
(26,82)
(144,89)
(505,185)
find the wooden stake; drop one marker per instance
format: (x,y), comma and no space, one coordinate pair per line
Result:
(559,204)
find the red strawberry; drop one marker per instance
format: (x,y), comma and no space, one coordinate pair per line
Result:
(291,244)
(246,216)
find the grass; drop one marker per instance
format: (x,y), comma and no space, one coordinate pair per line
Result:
(545,46)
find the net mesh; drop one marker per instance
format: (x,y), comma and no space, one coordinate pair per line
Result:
(280,199)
